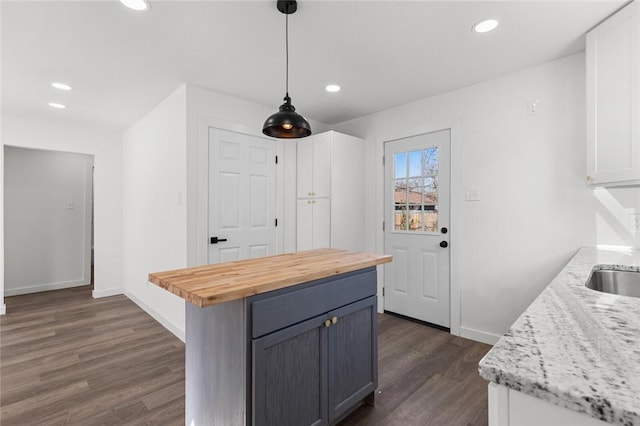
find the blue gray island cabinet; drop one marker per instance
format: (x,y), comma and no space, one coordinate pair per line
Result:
(280,340)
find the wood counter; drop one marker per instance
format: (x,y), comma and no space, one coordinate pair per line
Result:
(212,284)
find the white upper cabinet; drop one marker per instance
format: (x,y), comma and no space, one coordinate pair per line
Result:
(330,192)
(613,100)
(314,166)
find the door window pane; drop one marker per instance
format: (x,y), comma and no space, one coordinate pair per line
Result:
(415,163)
(400,163)
(416,191)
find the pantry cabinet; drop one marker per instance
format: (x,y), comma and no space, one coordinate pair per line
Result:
(613,100)
(330,192)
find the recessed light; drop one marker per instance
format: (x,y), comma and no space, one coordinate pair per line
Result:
(56,105)
(138,5)
(61,86)
(332,88)
(485,26)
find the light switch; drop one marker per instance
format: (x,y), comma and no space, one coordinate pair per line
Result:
(471,194)
(533,107)
(634,223)
(70,205)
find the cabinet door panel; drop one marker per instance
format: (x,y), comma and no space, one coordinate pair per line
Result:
(353,371)
(613,99)
(304,173)
(289,376)
(322,165)
(321,223)
(304,219)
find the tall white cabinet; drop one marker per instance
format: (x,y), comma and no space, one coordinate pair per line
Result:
(613,99)
(330,192)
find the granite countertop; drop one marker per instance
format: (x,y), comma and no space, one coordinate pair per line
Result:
(576,347)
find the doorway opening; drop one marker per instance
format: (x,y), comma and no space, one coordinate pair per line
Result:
(48,212)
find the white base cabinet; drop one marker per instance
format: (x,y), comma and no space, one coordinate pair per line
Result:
(330,192)
(613,100)
(512,408)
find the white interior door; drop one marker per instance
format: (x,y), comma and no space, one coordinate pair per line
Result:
(417,191)
(242,196)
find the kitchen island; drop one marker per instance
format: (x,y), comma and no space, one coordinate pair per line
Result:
(280,340)
(573,357)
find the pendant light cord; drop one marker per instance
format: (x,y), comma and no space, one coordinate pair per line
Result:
(287,49)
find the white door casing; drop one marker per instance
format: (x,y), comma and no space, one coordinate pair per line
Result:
(417,203)
(242,196)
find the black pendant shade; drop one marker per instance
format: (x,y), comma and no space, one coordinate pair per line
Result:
(287,123)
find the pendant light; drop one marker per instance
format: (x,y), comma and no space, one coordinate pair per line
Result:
(287,123)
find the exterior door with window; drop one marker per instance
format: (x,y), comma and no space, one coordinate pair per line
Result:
(242,196)
(417,181)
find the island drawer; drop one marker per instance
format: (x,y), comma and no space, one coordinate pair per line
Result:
(278,309)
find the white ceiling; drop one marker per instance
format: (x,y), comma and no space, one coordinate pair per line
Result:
(383,53)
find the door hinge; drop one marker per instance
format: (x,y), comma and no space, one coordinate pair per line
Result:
(276,221)
(383,160)
(383,226)
(382,291)
(276,159)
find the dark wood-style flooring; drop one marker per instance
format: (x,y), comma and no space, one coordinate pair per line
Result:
(66,358)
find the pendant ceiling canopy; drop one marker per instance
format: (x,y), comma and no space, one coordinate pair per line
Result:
(286,123)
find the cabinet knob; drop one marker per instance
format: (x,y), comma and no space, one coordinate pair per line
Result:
(327,323)
(588,178)
(309,202)
(308,193)
(334,320)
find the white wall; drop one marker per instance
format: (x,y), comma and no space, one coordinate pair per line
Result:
(613,208)
(535,210)
(106,147)
(48,242)
(3,308)
(155,208)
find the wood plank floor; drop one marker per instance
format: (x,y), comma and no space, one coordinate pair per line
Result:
(66,358)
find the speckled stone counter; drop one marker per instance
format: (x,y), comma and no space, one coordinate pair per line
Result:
(576,347)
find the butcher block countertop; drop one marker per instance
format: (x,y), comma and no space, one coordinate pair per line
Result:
(223,282)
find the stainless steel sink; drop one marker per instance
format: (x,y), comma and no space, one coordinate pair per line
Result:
(624,283)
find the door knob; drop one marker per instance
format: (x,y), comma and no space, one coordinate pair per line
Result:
(444,244)
(216,240)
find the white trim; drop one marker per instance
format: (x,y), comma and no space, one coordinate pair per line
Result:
(498,410)
(97,294)
(3,309)
(479,336)
(164,321)
(42,287)
(454,124)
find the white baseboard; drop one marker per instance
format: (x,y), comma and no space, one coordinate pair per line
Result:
(42,287)
(177,331)
(3,309)
(97,294)
(479,336)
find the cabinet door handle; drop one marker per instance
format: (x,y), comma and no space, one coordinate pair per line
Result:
(334,320)
(327,323)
